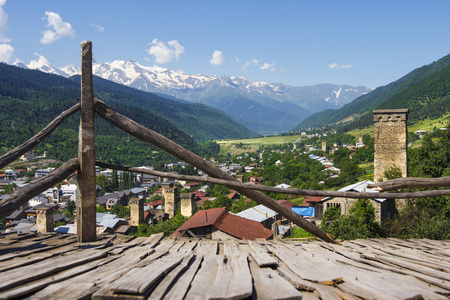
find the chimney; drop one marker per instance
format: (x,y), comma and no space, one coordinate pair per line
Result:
(390,141)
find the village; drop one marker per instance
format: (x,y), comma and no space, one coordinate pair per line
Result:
(210,212)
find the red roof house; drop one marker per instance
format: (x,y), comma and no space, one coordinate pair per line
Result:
(218,223)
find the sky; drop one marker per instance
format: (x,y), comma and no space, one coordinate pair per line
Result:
(300,43)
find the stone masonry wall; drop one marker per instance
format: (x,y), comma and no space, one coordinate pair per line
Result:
(390,141)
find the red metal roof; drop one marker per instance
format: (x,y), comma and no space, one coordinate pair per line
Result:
(286,203)
(242,228)
(311,200)
(153,203)
(234,225)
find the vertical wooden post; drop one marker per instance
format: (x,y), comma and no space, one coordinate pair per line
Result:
(86,195)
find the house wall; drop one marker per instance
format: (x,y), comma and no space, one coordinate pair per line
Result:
(382,210)
(220,235)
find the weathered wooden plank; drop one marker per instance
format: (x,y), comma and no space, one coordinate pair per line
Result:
(138,280)
(181,286)
(269,285)
(164,286)
(204,278)
(379,279)
(40,284)
(233,280)
(38,247)
(260,255)
(302,266)
(48,267)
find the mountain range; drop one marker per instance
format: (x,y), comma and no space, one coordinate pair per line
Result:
(262,107)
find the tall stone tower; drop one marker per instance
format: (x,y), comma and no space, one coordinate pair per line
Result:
(170,199)
(136,211)
(187,204)
(44,220)
(324,146)
(390,141)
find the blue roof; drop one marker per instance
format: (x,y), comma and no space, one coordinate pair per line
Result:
(303,210)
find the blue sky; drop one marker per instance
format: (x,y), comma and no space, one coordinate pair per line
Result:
(299,43)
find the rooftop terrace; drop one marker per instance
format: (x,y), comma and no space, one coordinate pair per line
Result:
(55,266)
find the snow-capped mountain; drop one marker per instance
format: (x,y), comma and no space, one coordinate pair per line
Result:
(262,107)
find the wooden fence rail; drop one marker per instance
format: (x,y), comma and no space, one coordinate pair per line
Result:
(269,189)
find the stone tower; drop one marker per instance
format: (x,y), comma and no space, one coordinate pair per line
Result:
(324,146)
(187,204)
(240,177)
(136,211)
(170,199)
(390,141)
(44,219)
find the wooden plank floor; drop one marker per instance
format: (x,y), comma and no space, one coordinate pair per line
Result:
(55,266)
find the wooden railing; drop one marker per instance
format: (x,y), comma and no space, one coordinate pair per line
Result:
(85,163)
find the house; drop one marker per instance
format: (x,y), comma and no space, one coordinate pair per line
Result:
(255,179)
(261,214)
(217,223)
(383,207)
(234,195)
(191,185)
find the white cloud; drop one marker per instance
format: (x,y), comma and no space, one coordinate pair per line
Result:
(245,66)
(36,63)
(164,53)
(58,28)
(3,22)
(273,69)
(217,58)
(6,52)
(98,27)
(336,66)
(237,60)
(255,61)
(266,66)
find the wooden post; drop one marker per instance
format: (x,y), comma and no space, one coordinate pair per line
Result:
(86,195)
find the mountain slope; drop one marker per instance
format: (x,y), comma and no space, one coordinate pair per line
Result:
(200,121)
(384,97)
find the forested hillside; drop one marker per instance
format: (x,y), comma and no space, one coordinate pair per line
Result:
(424,91)
(31,99)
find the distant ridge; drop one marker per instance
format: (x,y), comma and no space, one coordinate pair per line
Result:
(424,91)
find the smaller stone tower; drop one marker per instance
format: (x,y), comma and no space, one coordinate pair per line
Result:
(240,177)
(390,141)
(136,211)
(44,219)
(187,204)
(170,199)
(324,146)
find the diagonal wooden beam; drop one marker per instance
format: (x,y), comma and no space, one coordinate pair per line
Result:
(37,138)
(20,197)
(150,136)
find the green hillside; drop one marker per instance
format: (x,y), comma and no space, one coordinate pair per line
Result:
(422,90)
(31,99)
